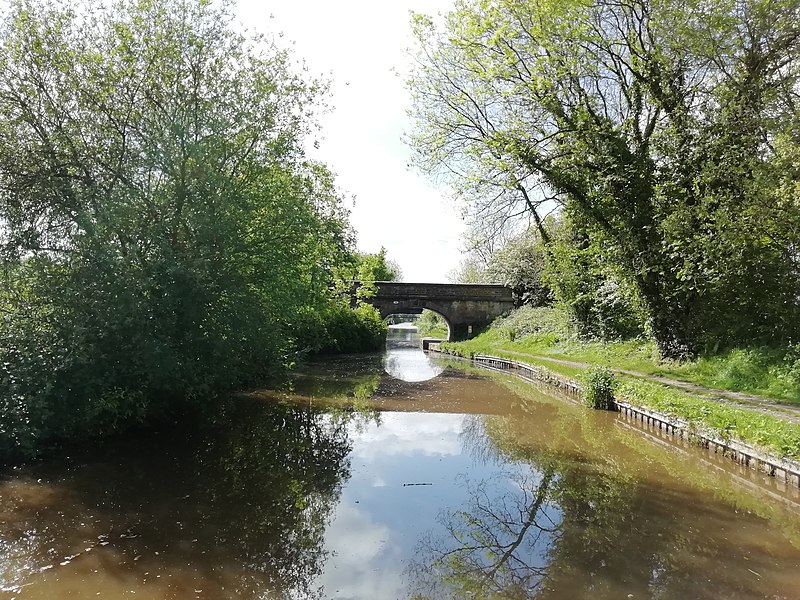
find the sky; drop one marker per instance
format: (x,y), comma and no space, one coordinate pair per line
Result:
(359,45)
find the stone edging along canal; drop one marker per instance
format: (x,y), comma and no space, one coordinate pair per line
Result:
(758,460)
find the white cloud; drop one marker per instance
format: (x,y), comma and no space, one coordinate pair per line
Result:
(358,569)
(410,364)
(428,434)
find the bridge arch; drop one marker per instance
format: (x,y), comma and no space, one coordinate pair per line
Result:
(417,311)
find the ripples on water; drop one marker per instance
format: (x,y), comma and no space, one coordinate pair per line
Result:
(392,477)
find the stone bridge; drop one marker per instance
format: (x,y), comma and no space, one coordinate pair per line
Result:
(466,307)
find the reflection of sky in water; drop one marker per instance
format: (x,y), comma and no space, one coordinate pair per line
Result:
(409,364)
(404,359)
(380,521)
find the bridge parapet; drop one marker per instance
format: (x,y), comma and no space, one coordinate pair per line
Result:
(454,291)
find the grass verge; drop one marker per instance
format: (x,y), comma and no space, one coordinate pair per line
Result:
(770,372)
(725,421)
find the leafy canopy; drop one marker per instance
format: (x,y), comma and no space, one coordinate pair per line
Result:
(658,126)
(163,236)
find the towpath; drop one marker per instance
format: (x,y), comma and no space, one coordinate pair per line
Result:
(786,411)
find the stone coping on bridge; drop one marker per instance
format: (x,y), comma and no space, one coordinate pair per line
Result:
(466,291)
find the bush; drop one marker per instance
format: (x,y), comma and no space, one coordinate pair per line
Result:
(791,364)
(157,278)
(760,370)
(550,324)
(346,330)
(432,324)
(599,383)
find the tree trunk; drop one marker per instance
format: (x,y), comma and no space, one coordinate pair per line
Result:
(670,319)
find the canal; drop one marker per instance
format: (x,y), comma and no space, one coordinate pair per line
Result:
(395,476)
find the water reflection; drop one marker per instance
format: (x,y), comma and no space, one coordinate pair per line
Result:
(404,357)
(496,545)
(581,510)
(283,496)
(402,475)
(235,510)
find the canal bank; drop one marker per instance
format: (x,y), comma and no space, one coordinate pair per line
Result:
(784,469)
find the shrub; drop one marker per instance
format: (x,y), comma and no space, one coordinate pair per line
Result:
(599,384)
(551,323)
(346,330)
(432,324)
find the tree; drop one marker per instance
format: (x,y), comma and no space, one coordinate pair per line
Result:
(376,267)
(653,123)
(471,269)
(162,235)
(432,324)
(348,323)
(280,470)
(520,265)
(365,268)
(603,303)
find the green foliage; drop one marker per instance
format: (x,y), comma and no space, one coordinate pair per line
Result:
(602,301)
(163,238)
(471,269)
(728,422)
(598,387)
(766,371)
(519,265)
(547,325)
(668,139)
(346,330)
(377,267)
(550,333)
(365,268)
(432,324)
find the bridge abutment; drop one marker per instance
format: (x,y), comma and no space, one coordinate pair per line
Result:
(463,331)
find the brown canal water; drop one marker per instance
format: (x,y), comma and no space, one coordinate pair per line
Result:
(444,483)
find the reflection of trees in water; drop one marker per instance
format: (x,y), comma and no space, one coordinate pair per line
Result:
(238,504)
(494,547)
(277,472)
(340,377)
(549,515)
(598,548)
(358,387)
(583,519)
(476,442)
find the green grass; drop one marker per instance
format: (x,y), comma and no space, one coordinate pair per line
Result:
(437,332)
(759,371)
(534,335)
(474,346)
(725,421)
(769,372)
